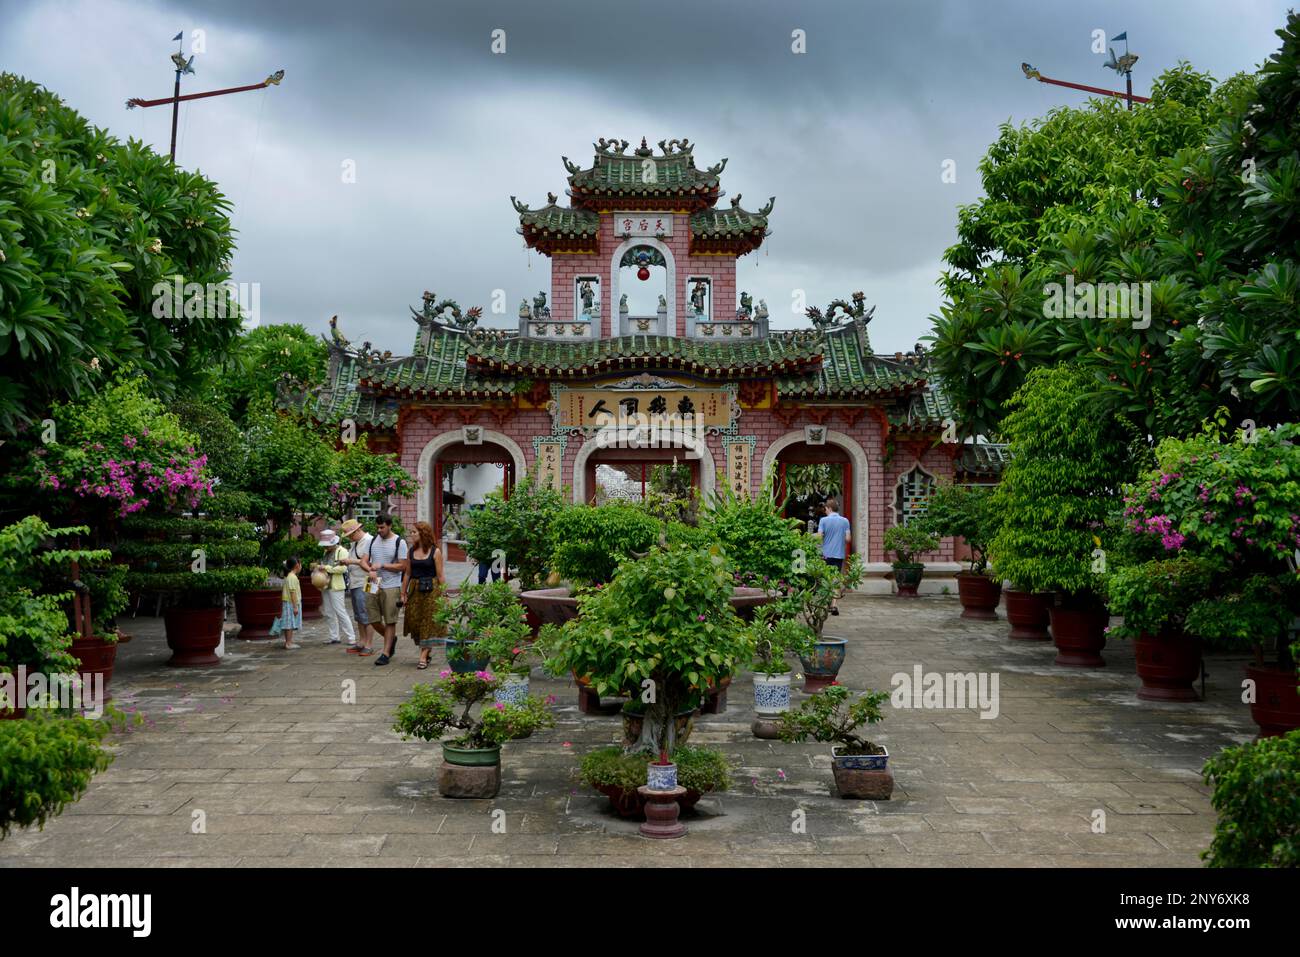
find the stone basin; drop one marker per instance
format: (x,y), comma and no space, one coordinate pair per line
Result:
(557,605)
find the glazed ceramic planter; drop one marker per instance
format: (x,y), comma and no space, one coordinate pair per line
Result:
(820,669)
(629,803)
(193,635)
(1168,664)
(513,690)
(552,606)
(908,578)
(311,601)
(862,776)
(471,757)
(979,596)
(1080,633)
(464,664)
(1028,613)
(771,693)
(661,777)
(256,611)
(95,656)
(1276,708)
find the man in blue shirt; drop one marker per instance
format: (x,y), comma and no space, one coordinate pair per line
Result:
(833,530)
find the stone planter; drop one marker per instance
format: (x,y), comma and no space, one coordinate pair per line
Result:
(1080,634)
(311,601)
(979,596)
(1276,708)
(1168,664)
(820,669)
(771,693)
(256,611)
(1028,613)
(469,772)
(908,578)
(552,606)
(95,656)
(745,601)
(862,776)
(193,635)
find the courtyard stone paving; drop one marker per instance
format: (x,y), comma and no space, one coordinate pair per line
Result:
(287,774)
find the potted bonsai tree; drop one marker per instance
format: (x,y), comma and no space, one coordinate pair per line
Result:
(485,628)
(199,561)
(775,637)
(471,762)
(810,598)
(1235,502)
(1154,598)
(907,542)
(662,631)
(617,774)
(1069,458)
(965,512)
(860,766)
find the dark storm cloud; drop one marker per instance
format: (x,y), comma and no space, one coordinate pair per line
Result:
(849,137)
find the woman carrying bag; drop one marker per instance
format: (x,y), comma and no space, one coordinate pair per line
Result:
(423,585)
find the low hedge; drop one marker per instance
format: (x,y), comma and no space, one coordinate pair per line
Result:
(46,763)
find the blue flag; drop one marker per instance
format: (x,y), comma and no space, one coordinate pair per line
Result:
(1122,36)
(179,35)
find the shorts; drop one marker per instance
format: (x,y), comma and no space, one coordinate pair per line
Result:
(834,562)
(381,606)
(357,599)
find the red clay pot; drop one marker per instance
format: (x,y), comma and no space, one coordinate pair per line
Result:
(256,612)
(979,596)
(1080,633)
(311,601)
(629,803)
(193,635)
(1276,708)
(1028,614)
(95,656)
(1168,664)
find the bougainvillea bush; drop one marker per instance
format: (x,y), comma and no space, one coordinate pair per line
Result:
(116,452)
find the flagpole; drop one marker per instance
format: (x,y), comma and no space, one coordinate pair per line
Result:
(176,95)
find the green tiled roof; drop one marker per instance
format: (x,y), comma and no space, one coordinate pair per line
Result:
(557,222)
(617,173)
(925,410)
(985,458)
(340,398)
(519,356)
(729,223)
(850,370)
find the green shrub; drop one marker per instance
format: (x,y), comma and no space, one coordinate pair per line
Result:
(1158,595)
(1257,795)
(965,512)
(758,541)
(46,763)
(162,559)
(592,540)
(698,769)
(908,541)
(521,526)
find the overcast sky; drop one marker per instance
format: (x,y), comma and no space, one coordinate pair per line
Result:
(850,137)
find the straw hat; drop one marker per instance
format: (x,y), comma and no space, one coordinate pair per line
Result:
(350,526)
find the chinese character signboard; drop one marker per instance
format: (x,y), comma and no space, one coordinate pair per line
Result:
(643,224)
(550,454)
(740,456)
(595,408)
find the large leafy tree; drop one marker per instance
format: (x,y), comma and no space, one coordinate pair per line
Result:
(89,228)
(258,361)
(1071,194)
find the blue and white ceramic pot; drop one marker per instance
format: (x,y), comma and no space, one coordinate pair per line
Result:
(771,693)
(661,777)
(513,690)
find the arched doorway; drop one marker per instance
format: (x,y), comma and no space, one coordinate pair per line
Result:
(635,463)
(651,304)
(807,475)
(838,446)
(463,476)
(632,474)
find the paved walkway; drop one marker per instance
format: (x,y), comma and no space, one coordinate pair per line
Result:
(286,774)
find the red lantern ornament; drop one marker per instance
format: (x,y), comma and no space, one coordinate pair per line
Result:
(643,274)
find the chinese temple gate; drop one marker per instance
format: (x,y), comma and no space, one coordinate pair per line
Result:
(592,383)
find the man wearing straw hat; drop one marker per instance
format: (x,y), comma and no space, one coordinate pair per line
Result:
(356,592)
(333,606)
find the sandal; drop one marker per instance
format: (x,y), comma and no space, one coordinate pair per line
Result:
(383,660)
(421,665)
